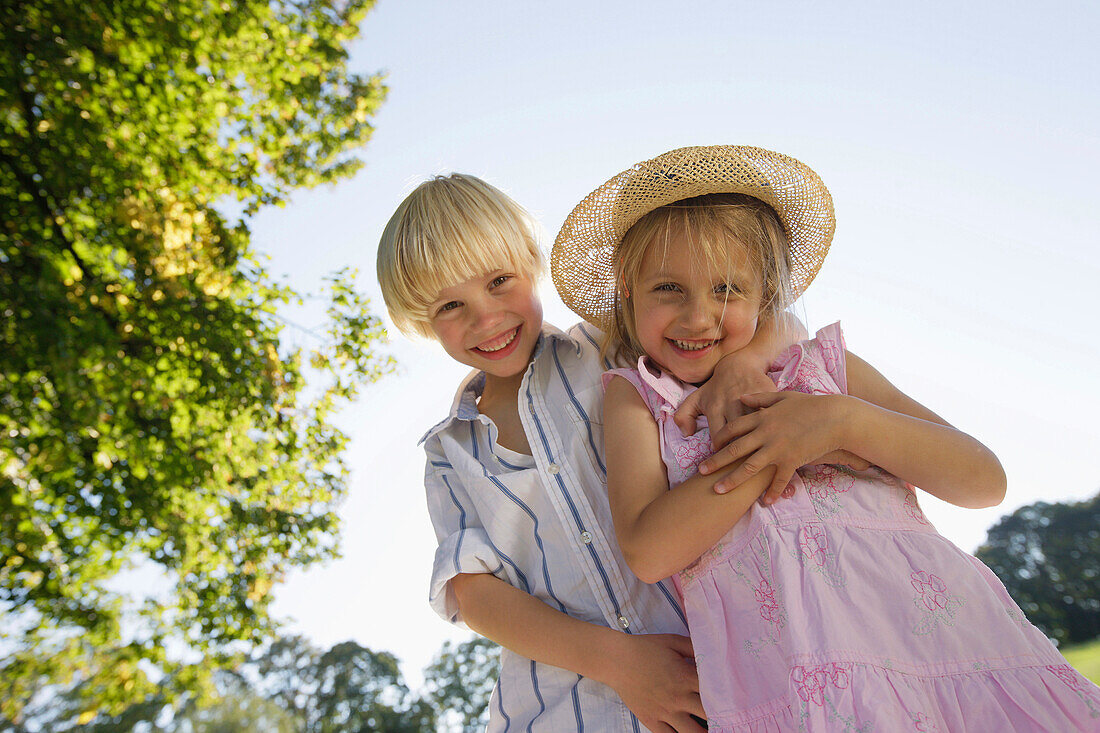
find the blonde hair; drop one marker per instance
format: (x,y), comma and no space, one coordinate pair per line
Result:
(450,229)
(711,223)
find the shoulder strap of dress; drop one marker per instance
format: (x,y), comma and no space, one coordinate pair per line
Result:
(651,399)
(831,350)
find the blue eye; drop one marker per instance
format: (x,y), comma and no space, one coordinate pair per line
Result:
(727,288)
(667,288)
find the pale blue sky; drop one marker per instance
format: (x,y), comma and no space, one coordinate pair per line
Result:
(960,142)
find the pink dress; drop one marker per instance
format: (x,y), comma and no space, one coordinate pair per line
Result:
(840,608)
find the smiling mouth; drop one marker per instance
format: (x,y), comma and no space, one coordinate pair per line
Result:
(500,342)
(693,345)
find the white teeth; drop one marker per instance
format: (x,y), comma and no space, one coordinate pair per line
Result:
(693,345)
(510,339)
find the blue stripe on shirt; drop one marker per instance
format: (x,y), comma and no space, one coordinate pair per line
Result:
(672,601)
(538,539)
(473,440)
(577,705)
(538,696)
(461,520)
(573,508)
(584,415)
(583,328)
(505,463)
(458,545)
(500,704)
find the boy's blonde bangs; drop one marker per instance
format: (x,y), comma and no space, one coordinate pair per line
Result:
(448,230)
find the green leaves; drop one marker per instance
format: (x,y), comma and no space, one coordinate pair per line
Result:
(150,413)
(1048,557)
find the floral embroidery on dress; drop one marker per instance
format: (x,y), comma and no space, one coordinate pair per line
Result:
(811,681)
(1017,616)
(830,354)
(692,450)
(933,601)
(923,723)
(811,379)
(823,483)
(1082,689)
(913,510)
(757,578)
(813,546)
(765,596)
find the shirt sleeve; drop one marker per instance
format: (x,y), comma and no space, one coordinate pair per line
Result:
(464,545)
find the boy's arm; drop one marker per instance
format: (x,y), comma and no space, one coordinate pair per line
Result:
(877,422)
(740,373)
(661,532)
(654,674)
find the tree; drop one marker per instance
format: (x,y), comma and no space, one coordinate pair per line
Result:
(286,686)
(460,681)
(348,688)
(1048,556)
(151,413)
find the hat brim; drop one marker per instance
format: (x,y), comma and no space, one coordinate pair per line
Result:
(582,261)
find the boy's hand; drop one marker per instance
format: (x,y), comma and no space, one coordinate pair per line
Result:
(742,372)
(788,430)
(655,676)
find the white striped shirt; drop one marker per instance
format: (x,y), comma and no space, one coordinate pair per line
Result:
(542,524)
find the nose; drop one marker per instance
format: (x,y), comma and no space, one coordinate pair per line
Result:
(698,313)
(484,314)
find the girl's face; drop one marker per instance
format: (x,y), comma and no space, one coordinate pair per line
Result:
(490,322)
(687,315)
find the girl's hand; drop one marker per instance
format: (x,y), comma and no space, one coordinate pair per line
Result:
(655,676)
(740,373)
(788,430)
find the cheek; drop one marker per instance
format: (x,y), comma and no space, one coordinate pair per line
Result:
(449,334)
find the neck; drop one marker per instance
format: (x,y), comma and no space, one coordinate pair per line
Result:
(501,389)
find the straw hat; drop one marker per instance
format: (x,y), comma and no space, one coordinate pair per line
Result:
(582,261)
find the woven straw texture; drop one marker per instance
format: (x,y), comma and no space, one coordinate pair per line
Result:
(583,256)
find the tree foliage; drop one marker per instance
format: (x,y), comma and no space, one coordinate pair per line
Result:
(151,413)
(1048,556)
(286,686)
(460,682)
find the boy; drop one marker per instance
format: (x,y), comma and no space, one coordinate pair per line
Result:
(515,477)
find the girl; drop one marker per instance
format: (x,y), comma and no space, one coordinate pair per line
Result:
(840,607)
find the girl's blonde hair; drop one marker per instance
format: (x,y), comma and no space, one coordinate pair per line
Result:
(450,229)
(712,224)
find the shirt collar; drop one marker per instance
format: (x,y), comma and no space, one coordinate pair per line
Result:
(464,406)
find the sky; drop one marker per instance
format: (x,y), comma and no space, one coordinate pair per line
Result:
(961,144)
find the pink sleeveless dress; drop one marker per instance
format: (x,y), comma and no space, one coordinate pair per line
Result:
(840,608)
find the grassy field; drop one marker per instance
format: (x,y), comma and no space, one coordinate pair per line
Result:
(1085,659)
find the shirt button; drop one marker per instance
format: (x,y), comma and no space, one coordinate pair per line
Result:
(553,468)
(624,622)
(586,538)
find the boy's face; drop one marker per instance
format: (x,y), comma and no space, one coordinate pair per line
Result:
(490,322)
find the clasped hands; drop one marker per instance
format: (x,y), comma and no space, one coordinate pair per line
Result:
(764,429)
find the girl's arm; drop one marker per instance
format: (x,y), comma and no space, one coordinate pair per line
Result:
(894,431)
(654,674)
(660,532)
(877,422)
